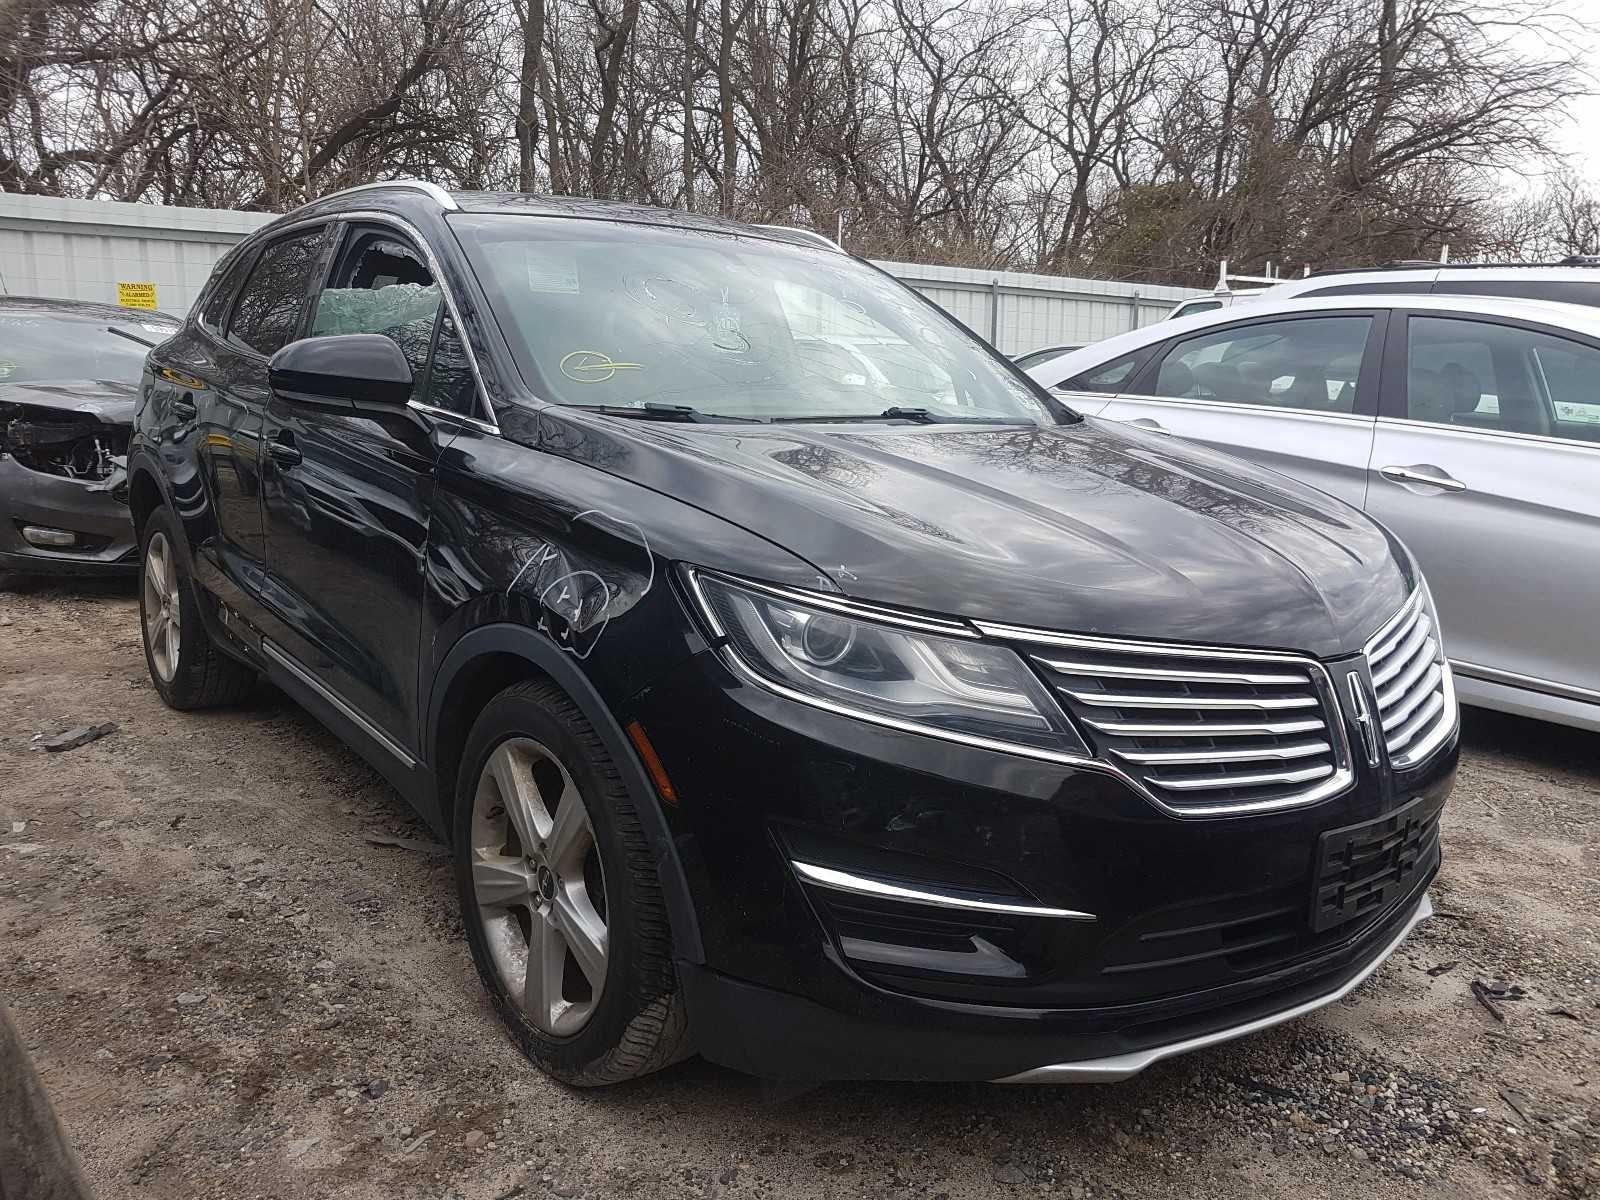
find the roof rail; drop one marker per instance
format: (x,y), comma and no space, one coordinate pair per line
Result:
(821,239)
(432,190)
(1427,264)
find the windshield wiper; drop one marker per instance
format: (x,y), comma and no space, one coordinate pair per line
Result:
(132,337)
(652,411)
(922,416)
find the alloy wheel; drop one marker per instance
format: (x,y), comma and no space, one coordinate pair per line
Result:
(162,611)
(540,889)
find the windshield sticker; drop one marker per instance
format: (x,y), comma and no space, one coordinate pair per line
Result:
(7,367)
(594,366)
(555,270)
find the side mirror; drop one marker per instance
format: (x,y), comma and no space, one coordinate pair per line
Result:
(361,371)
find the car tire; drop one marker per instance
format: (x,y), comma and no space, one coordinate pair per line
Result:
(187,668)
(524,905)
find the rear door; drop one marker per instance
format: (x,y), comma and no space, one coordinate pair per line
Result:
(243,323)
(1486,462)
(1294,393)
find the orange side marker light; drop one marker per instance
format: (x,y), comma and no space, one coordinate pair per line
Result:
(652,762)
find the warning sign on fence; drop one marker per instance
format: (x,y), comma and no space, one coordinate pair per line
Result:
(136,295)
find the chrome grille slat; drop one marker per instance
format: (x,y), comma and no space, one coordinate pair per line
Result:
(1254,754)
(1176,675)
(1381,646)
(1196,703)
(1204,730)
(1411,684)
(1395,662)
(1407,681)
(1406,733)
(1195,782)
(1209,729)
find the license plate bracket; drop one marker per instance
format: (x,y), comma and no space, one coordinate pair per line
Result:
(1363,868)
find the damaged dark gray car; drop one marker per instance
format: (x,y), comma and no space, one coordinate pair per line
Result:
(69,375)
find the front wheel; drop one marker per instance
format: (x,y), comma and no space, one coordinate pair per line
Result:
(559,895)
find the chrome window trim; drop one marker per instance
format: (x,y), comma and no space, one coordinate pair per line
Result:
(1491,434)
(862,885)
(1241,406)
(1122,1066)
(1342,779)
(401,225)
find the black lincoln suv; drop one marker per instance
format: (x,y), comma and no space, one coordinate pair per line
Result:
(796,683)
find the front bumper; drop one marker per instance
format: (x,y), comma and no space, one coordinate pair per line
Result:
(101,520)
(1122,1066)
(1199,930)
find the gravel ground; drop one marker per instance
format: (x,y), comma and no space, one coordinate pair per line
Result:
(231,991)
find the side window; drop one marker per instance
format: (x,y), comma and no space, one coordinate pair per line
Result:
(1486,376)
(268,311)
(1109,377)
(214,315)
(381,285)
(450,380)
(1312,363)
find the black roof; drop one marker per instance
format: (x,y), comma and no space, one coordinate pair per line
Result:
(85,308)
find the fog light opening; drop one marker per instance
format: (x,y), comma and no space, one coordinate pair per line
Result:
(45,535)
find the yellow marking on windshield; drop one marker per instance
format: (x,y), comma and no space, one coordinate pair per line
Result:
(594,366)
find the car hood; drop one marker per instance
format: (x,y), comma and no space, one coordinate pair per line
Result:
(106,400)
(1089,527)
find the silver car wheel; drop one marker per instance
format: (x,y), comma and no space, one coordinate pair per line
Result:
(162,610)
(539,886)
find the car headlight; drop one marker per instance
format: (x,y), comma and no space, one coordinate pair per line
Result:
(953,687)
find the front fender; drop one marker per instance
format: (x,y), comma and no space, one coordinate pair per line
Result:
(528,644)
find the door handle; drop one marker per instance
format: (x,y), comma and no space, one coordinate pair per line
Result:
(1150,423)
(285,454)
(183,408)
(1425,475)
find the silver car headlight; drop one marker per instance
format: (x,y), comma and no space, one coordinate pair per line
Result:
(952,687)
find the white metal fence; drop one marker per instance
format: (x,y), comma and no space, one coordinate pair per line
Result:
(82,250)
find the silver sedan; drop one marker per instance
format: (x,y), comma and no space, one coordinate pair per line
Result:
(1470,426)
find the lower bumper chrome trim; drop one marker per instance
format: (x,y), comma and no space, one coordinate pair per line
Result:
(862,885)
(1122,1066)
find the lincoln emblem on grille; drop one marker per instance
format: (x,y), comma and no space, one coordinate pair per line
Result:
(1361,708)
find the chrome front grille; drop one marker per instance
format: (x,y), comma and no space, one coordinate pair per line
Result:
(1205,732)
(1411,680)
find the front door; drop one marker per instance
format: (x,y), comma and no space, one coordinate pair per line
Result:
(347,498)
(1485,462)
(1296,394)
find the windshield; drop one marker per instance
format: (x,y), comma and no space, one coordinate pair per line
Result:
(37,345)
(606,314)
